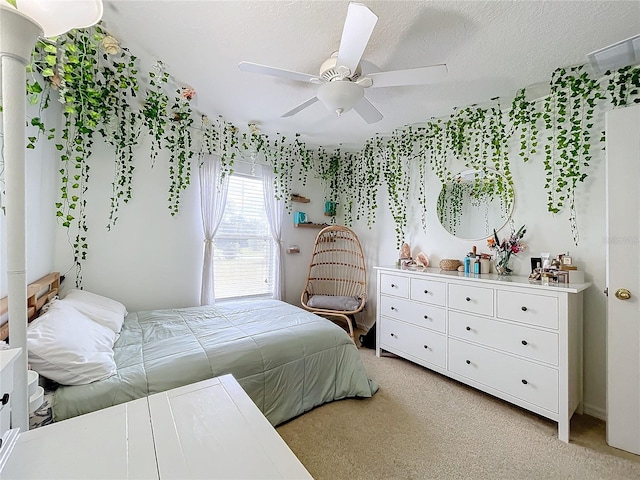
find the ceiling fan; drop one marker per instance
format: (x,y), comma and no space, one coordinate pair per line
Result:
(340,82)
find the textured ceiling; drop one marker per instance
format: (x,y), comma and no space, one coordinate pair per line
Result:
(491,49)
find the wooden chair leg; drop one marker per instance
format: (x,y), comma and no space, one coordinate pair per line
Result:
(349,320)
(351,331)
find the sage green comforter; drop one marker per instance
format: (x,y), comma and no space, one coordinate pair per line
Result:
(286,359)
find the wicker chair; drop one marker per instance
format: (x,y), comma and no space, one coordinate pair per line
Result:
(336,284)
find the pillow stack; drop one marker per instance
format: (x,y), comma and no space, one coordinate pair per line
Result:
(72,342)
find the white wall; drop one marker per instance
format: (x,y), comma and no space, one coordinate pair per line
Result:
(149,259)
(41,195)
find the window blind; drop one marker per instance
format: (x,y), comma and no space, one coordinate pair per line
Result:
(244,249)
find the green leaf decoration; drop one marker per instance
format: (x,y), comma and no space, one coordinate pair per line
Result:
(101,96)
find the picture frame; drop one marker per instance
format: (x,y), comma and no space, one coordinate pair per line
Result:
(535,263)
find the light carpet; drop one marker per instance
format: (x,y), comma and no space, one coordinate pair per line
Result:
(422,425)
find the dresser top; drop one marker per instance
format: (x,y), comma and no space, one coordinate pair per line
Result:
(490,278)
(8,356)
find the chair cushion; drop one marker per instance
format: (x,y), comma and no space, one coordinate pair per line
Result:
(334,302)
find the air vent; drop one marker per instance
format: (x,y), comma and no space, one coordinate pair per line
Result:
(330,75)
(333,74)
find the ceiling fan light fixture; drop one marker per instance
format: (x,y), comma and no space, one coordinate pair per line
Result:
(340,96)
(58,17)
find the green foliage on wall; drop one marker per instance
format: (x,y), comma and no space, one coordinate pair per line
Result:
(97,81)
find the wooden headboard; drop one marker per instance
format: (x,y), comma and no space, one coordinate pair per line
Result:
(39,293)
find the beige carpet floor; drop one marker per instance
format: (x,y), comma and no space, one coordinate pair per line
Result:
(421,425)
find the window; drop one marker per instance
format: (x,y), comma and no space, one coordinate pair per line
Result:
(244,249)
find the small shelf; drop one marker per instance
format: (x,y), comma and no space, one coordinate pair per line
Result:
(299,199)
(310,225)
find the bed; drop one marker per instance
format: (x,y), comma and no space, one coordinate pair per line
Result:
(286,359)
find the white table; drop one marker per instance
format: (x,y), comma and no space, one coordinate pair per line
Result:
(210,429)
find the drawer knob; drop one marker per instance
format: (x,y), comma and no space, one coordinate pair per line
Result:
(426,346)
(523,308)
(468,329)
(394,335)
(5,399)
(468,362)
(468,299)
(426,291)
(524,381)
(393,308)
(426,317)
(393,285)
(524,342)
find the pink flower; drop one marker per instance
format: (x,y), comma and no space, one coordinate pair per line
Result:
(513,244)
(188,93)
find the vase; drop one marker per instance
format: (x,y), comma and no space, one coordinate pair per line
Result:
(330,208)
(503,263)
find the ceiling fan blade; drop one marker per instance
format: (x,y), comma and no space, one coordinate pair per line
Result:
(412,76)
(357,30)
(278,72)
(300,107)
(367,111)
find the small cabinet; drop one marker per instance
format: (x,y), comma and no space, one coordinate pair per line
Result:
(7,366)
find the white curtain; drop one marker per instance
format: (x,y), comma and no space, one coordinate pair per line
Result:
(275,212)
(213,198)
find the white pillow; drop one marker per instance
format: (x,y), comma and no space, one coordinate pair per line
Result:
(68,347)
(103,310)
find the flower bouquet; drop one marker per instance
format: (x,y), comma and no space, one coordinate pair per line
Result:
(511,246)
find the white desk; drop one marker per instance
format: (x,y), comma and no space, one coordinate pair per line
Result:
(210,429)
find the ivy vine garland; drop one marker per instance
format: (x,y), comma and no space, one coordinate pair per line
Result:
(97,82)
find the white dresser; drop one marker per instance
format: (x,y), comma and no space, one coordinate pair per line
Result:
(209,429)
(517,340)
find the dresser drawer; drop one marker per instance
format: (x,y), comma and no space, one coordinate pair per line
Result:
(471,299)
(528,308)
(427,316)
(428,291)
(394,285)
(527,381)
(420,343)
(528,342)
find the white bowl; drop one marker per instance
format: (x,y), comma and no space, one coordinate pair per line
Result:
(36,399)
(32,380)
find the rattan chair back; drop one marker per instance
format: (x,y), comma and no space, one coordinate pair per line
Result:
(337,269)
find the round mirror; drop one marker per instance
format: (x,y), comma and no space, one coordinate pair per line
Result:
(475,203)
